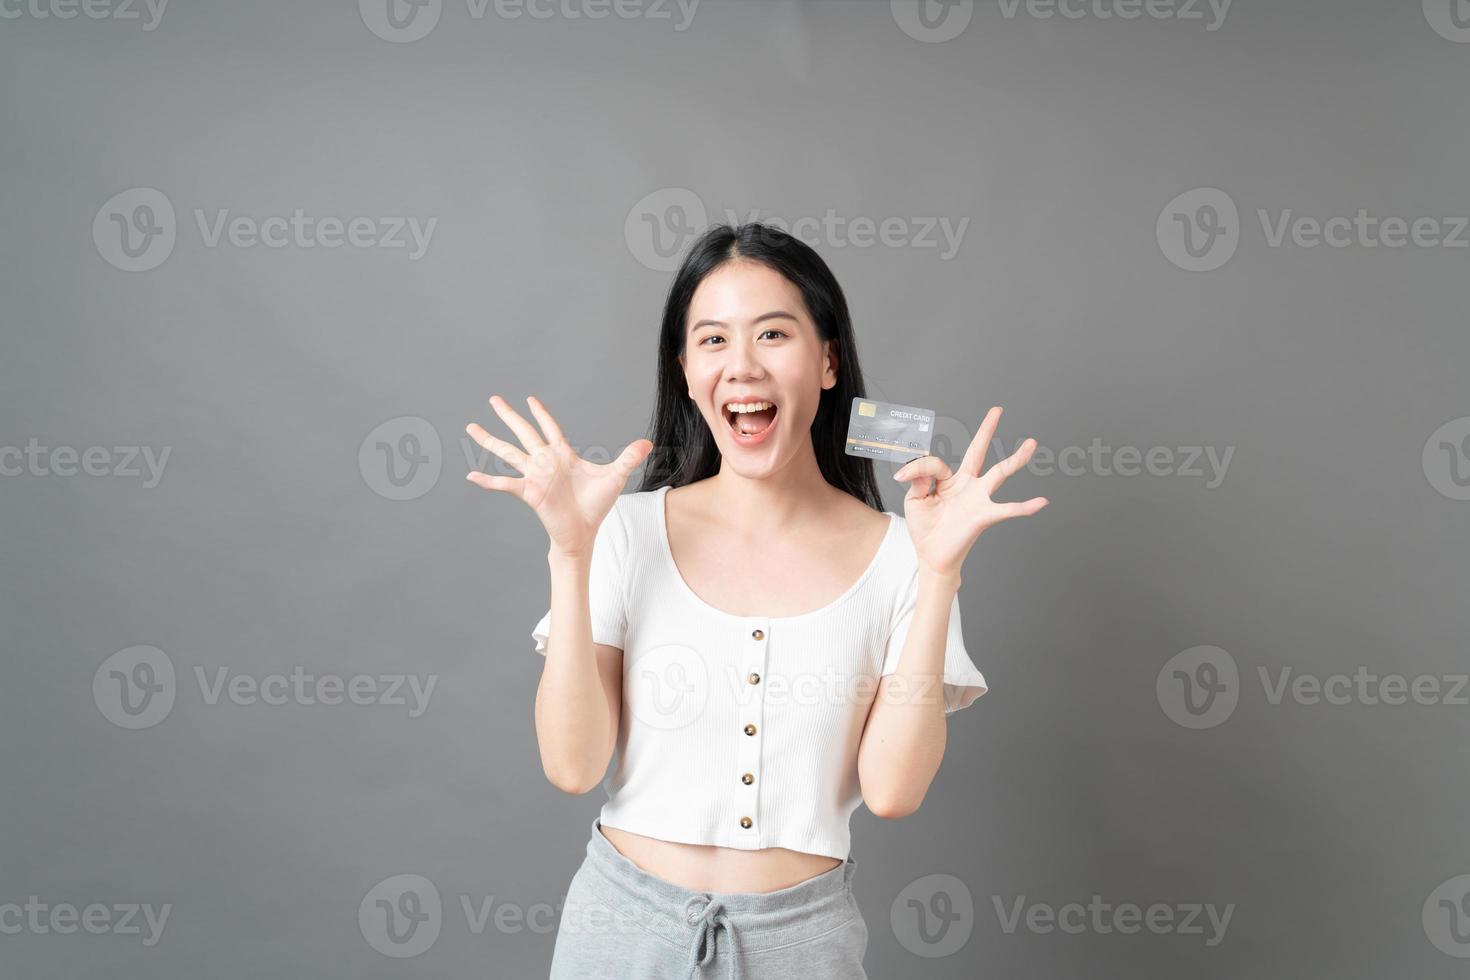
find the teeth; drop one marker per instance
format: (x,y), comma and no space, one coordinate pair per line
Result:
(750,406)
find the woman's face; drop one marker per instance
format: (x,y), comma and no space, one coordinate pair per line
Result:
(749,340)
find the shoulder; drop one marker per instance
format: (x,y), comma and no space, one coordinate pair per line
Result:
(636,511)
(901,555)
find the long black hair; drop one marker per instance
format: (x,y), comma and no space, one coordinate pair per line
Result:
(684,448)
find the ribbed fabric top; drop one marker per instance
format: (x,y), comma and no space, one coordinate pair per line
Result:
(743,731)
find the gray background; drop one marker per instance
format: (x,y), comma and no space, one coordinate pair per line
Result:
(267,545)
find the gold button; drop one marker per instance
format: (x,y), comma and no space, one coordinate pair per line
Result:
(759,635)
(748,778)
(750,729)
(745,822)
(754,678)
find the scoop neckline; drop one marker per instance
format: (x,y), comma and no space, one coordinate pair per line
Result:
(668,554)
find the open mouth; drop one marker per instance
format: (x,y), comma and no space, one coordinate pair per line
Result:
(750,419)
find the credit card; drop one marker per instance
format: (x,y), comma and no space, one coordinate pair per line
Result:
(883,430)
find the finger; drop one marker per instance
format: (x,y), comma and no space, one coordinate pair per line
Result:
(1022,508)
(633,454)
(499,447)
(543,417)
(997,474)
(975,454)
(933,467)
(530,438)
(488,481)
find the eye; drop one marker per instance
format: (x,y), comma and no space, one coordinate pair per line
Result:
(715,336)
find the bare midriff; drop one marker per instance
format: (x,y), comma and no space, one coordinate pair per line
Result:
(705,867)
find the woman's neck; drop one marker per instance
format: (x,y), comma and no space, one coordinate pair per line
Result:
(791,495)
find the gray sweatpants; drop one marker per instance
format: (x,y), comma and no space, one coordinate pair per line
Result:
(619,922)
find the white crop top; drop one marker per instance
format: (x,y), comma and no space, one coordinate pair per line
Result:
(743,731)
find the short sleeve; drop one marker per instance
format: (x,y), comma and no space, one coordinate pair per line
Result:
(605,589)
(963,683)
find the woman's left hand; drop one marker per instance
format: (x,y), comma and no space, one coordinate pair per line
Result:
(945,523)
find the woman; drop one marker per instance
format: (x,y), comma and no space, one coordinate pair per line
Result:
(755,563)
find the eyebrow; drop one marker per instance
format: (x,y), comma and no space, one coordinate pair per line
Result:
(773,315)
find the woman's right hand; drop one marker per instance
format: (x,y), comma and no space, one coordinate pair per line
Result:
(569,494)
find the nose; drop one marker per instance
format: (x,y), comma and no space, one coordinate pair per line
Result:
(744,361)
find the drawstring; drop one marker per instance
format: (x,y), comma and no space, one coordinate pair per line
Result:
(702,950)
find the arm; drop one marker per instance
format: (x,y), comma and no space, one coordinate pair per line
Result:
(579,697)
(903,741)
